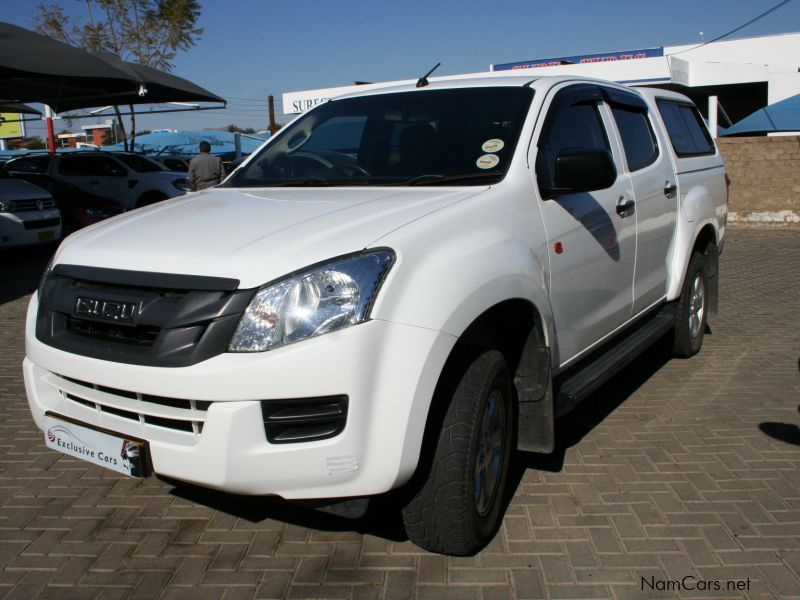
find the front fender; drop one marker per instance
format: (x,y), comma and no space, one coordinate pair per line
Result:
(444,282)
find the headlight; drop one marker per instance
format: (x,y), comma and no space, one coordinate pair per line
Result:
(100,213)
(312,302)
(43,278)
(182,184)
(5,205)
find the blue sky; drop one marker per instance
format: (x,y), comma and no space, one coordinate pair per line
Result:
(252,48)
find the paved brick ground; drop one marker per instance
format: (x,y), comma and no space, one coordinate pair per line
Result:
(683,468)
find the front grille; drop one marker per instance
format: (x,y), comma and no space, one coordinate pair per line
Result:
(179,415)
(42,223)
(168,321)
(304,419)
(33,204)
(137,336)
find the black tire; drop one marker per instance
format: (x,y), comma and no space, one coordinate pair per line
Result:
(691,311)
(444,515)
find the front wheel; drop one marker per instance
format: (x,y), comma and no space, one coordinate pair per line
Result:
(692,309)
(458,508)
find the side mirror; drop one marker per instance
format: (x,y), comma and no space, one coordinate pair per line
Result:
(582,170)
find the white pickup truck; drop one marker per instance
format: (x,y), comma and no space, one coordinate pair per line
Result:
(391,294)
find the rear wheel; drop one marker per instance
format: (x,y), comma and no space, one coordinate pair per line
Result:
(692,310)
(458,508)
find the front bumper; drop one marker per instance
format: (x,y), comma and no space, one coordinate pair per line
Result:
(13,231)
(387,370)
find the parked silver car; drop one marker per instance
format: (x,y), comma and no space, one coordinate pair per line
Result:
(130,179)
(28,214)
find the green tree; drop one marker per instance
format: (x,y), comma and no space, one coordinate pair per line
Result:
(33,143)
(148,32)
(235,128)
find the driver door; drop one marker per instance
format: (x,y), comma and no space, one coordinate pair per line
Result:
(591,240)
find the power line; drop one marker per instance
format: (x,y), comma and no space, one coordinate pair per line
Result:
(739,28)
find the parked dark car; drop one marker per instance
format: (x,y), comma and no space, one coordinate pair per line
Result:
(78,207)
(179,164)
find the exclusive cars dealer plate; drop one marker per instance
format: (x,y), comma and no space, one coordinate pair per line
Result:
(115,452)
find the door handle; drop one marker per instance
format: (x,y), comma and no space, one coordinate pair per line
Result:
(625,208)
(670,189)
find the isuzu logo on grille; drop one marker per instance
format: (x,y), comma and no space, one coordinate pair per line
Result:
(107,310)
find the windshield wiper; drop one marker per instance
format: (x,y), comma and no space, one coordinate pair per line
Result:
(320,182)
(439,178)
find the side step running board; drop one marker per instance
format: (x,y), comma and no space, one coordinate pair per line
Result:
(586,378)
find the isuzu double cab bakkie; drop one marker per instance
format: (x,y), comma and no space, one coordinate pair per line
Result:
(391,294)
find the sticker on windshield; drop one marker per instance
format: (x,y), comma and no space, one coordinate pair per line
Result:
(487,161)
(493,145)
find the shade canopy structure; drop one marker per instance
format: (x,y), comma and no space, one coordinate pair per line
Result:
(780,116)
(15,107)
(156,86)
(35,68)
(185,143)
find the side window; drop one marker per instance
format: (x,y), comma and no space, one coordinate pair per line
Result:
(637,136)
(686,128)
(89,166)
(338,134)
(576,126)
(30,164)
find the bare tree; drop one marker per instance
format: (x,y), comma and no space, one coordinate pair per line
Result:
(148,32)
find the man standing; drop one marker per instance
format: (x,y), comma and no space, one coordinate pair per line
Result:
(205,171)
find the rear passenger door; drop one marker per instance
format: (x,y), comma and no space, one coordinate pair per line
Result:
(99,175)
(654,193)
(592,235)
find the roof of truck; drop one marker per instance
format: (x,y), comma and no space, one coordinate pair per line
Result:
(461,81)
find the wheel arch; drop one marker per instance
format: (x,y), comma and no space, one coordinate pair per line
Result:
(516,328)
(705,239)
(706,243)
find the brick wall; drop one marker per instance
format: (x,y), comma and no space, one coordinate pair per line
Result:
(765,172)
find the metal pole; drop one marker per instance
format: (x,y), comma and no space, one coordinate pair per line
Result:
(122,128)
(51,136)
(273,127)
(133,129)
(713,101)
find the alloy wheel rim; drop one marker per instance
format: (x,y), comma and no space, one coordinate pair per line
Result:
(489,455)
(697,306)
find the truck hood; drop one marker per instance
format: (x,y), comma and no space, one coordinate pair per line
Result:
(17,189)
(253,235)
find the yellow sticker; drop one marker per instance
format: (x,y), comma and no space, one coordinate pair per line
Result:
(493,145)
(487,161)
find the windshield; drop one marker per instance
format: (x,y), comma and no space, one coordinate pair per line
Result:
(140,163)
(432,137)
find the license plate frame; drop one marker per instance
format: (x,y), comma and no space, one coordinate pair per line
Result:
(118,452)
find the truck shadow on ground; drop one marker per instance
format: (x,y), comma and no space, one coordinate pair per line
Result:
(573,427)
(383,518)
(21,270)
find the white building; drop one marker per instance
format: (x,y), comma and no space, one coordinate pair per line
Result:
(743,74)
